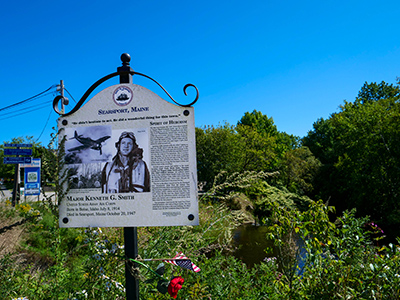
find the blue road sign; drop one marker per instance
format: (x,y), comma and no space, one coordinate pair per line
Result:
(32,181)
(17,151)
(18,145)
(17,160)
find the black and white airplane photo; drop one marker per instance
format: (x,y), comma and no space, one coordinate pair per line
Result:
(87,142)
(88,145)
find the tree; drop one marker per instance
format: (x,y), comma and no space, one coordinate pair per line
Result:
(257,151)
(321,142)
(265,126)
(260,122)
(233,149)
(299,170)
(374,92)
(217,149)
(254,144)
(369,157)
(359,148)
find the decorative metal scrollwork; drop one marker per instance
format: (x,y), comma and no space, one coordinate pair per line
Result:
(184,90)
(119,73)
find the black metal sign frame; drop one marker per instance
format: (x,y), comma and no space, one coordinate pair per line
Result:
(125,74)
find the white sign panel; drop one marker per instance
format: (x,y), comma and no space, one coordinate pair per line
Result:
(131,159)
(36,162)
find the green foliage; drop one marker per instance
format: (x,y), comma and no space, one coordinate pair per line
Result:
(369,163)
(321,260)
(254,144)
(232,150)
(350,159)
(257,151)
(60,263)
(376,91)
(338,260)
(265,194)
(44,229)
(261,123)
(217,150)
(359,148)
(265,127)
(299,170)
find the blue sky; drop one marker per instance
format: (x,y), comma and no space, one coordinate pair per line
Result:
(295,61)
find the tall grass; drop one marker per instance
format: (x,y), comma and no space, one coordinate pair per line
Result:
(341,259)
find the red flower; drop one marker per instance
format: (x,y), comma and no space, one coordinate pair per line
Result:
(175,285)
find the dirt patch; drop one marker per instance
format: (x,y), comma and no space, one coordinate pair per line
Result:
(11,232)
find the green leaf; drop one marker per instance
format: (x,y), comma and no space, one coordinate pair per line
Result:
(150,280)
(162,286)
(160,269)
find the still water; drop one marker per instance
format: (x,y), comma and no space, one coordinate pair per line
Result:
(252,244)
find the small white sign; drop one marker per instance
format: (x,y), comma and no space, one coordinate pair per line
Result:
(36,162)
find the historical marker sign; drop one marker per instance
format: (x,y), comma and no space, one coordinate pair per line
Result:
(132,161)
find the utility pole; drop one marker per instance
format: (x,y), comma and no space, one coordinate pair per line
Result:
(62,95)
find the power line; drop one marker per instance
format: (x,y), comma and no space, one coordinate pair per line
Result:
(26,108)
(27,100)
(45,125)
(69,94)
(18,113)
(4,114)
(48,118)
(21,111)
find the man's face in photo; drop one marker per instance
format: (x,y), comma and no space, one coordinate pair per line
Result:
(126,146)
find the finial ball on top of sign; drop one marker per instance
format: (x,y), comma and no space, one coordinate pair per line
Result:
(125,58)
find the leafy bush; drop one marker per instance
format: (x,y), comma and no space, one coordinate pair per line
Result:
(332,261)
(318,259)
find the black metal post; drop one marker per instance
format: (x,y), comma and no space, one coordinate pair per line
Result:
(126,58)
(131,251)
(130,233)
(16,188)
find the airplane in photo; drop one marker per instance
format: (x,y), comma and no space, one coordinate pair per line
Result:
(88,143)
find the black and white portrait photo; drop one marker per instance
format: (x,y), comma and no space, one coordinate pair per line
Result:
(127,172)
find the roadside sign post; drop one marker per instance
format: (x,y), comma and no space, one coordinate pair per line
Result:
(130,157)
(16,188)
(17,150)
(32,177)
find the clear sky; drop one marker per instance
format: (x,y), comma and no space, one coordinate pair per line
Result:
(295,61)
